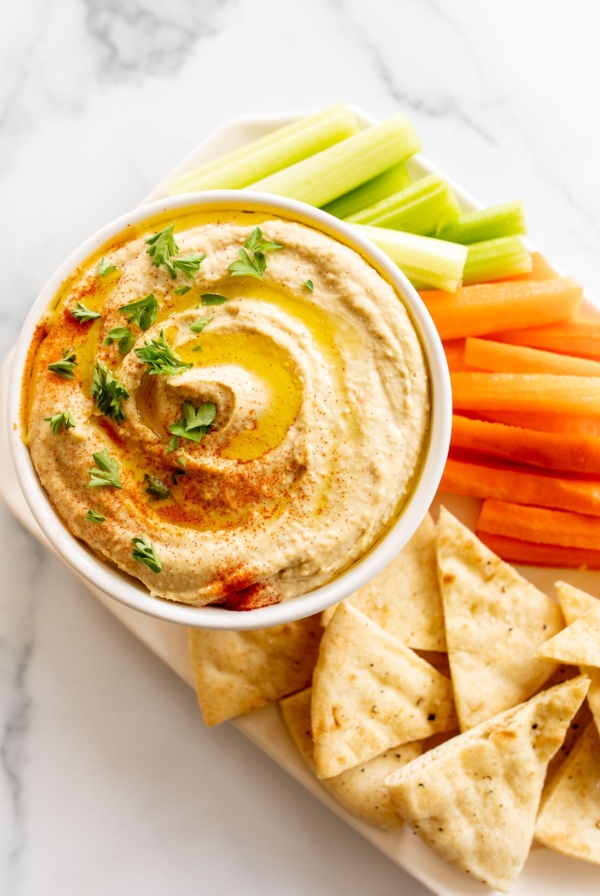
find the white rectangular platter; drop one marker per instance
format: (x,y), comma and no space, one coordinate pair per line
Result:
(546,873)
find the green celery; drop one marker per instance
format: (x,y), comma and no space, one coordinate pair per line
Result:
(277,150)
(424,260)
(391,181)
(327,175)
(418,208)
(496,260)
(486,224)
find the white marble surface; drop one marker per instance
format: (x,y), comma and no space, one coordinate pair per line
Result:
(109,782)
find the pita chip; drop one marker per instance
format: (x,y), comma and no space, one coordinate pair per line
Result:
(495,621)
(474,799)
(404,598)
(361,790)
(370,693)
(569,819)
(575,603)
(578,643)
(237,672)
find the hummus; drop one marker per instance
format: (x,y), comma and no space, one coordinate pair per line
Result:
(305,394)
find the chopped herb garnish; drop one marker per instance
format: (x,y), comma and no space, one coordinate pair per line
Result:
(142,311)
(145,552)
(106,471)
(177,473)
(161,357)
(198,348)
(105,267)
(182,461)
(181,290)
(162,245)
(256,266)
(83,314)
(156,487)
(309,285)
(123,336)
(212,298)
(195,422)
(188,265)
(65,367)
(61,420)
(107,392)
(173,445)
(199,324)
(93,516)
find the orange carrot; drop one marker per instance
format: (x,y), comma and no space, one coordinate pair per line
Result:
(554,451)
(455,355)
(580,337)
(530,554)
(505,482)
(540,269)
(483,354)
(526,392)
(487,307)
(540,525)
(574,424)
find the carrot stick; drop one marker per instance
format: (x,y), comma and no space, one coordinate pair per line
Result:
(580,337)
(487,307)
(540,269)
(520,484)
(530,554)
(526,392)
(575,453)
(483,354)
(455,355)
(574,424)
(540,525)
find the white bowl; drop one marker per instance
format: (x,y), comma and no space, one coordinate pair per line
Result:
(133,593)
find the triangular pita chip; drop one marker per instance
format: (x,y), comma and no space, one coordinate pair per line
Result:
(575,603)
(569,819)
(361,790)
(495,620)
(236,672)
(404,598)
(370,693)
(474,799)
(578,643)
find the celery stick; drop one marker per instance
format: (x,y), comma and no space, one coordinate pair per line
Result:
(487,224)
(419,208)
(391,181)
(425,260)
(277,150)
(329,174)
(496,259)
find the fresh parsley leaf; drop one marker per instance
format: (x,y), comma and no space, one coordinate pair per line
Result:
(195,422)
(199,324)
(188,264)
(212,298)
(142,311)
(93,516)
(65,367)
(58,421)
(173,445)
(105,267)
(161,357)
(246,267)
(83,314)
(162,245)
(198,348)
(256,243)
(123,336)
(181,290)
(309,285)
(107,392)
(106,471)
(145,552)
(156,487)
(182,461)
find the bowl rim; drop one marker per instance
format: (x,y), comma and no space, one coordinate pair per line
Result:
(133,593)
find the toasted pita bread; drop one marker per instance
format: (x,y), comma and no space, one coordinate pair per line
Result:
(370,693)
(569,819)
(405,598)
(495,620)
(474,799)
(575,603)
(236,672)
(578,643)
(361,790)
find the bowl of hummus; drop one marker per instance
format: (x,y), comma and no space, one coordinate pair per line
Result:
(228,410)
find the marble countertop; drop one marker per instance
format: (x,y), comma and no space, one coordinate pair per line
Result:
(109,782)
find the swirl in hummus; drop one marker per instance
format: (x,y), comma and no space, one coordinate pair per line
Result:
(311,390)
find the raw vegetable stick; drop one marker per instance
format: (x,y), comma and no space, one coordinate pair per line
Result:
(421,258)
(552,451)
(454,350)
(530,554)
(484,354)
(575,424)
(579,336)
(485,224)
(487,307)
(540,269)
(496,260)
(391,181)
(416,209)
(329,174)
(277,150)
(511,483)
(526,392)
(540,525)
